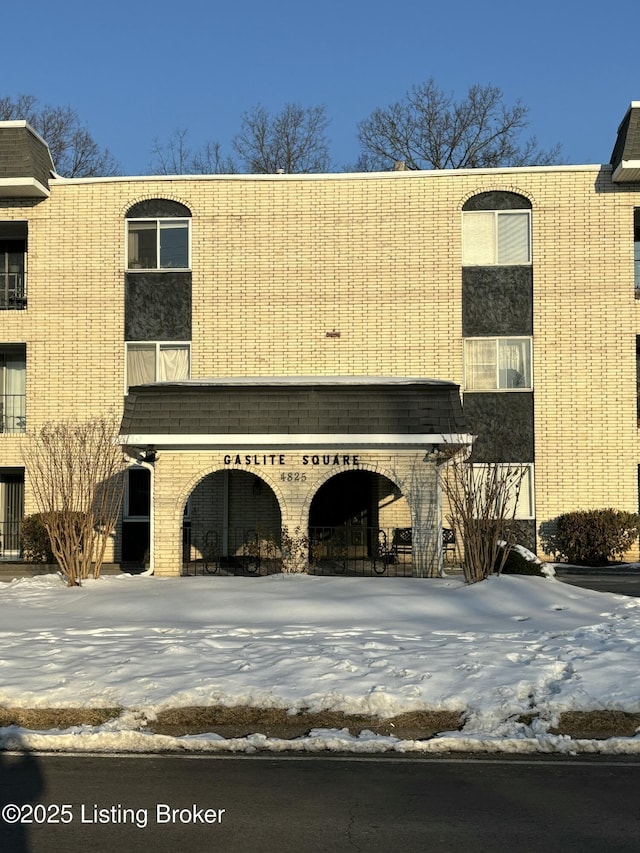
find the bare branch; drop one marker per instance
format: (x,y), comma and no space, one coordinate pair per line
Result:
(76,473)
(292,141)
(175,157)
(74,151)
(482,502)
(427,129)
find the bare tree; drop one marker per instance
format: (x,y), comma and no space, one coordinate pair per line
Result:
(76,471)
(74,151)
(428,129)
(176,157)
(292,141)
(482,502)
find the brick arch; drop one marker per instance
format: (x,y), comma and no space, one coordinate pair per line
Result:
(131,205)
(510,190)
(343,469)
(184,493)
(159,207)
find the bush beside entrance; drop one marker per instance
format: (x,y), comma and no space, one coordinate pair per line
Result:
(34,540)
(593,537)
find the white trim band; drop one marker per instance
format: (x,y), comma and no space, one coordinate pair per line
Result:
(310,441)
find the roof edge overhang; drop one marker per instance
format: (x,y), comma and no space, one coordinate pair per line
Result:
(409,175)
(627,171)
(22,188)
(293,441)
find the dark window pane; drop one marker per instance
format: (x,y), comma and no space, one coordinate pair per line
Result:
(139,492)
(174,245)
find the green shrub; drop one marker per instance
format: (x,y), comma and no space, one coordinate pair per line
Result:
(517,564)
(34,540)
(596,536)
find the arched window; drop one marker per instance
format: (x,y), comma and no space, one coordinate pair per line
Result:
(158,235)
(496,230)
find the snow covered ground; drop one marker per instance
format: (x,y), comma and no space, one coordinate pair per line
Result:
(498,649)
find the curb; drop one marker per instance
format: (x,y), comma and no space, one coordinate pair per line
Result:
(624,569)
(241,722)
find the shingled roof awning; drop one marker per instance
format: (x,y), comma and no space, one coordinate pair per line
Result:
(294,412)
(625,157)
(25,162)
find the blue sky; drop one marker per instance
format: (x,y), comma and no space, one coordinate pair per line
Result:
(136,71)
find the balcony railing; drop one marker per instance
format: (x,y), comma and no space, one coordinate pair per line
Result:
(9,540)
(13,293)
(13,417)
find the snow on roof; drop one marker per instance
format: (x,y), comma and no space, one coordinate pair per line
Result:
(309,380)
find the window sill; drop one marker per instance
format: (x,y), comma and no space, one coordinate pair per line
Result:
(492,266)
(497,390)
(158,269)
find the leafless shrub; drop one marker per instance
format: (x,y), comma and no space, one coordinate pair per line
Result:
(482,501)
(76,471)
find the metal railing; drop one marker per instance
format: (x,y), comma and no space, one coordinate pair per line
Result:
(13,418)
(361,551)
(9,540)
(13,293)
(346,550)
(230,551)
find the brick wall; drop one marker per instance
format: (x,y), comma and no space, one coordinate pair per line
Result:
(281,261)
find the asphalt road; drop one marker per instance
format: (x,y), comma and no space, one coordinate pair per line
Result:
(623,584)
(312,804)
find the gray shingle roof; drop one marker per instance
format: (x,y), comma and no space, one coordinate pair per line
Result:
(625,157)
(314,408)
(23,155)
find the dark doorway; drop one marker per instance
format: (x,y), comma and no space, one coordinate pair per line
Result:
(348,499)
(352,523)
(136,517)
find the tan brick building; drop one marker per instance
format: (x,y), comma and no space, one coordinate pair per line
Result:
(284,335)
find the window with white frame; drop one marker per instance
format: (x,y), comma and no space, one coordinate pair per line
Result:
(13,372)
(503,490)
(158,244)
(497,364)
(496,237)
(157,362)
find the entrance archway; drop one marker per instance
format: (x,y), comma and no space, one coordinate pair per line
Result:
(232,523)
(355,523)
